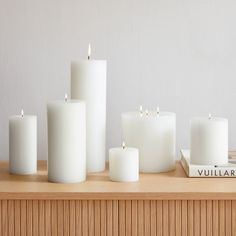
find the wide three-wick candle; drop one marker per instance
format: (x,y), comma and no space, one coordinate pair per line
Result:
(66,141)
(209,141)
(88,82)
(153,133)
(23,144)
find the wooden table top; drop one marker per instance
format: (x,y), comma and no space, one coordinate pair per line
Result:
(171,185)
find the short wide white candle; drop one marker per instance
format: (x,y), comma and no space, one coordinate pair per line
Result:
(153,133)
(23,144)
(66,141)
(124,164)
(209,141)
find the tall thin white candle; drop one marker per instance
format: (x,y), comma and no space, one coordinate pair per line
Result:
(88,82)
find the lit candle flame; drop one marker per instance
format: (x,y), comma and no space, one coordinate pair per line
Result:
(209,116)
(22,113)
(89,51)
(66,97)
(123,145)
(158,110)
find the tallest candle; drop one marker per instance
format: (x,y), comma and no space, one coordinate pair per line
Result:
(88,82)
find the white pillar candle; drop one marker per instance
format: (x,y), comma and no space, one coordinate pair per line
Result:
(124,164)
(66,141)
(23,144)
(88,82)
(209,141)
(153,133)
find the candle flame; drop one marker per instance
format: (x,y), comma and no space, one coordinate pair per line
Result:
(123,145)
(89,51)
(66,97)
(22,113)
(158,110)
(209,116)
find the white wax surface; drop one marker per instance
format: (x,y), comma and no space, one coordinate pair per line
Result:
(23,144)
(124,164)
(154,136)
(66,141)
(88,82)
(209,141)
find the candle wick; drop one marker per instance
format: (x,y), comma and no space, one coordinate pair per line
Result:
(123,145)
(141,110)
(146,112)
(158,111)
(89,51)
(22,113)
(66,97)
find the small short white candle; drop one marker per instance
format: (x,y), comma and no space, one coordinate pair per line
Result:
(124,164)
(209,141)
(66,141)
(23,144)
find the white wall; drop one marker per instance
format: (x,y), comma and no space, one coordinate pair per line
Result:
(180,55)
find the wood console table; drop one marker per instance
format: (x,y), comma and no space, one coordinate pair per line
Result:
(160,204)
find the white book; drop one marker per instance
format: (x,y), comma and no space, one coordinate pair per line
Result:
(227,170)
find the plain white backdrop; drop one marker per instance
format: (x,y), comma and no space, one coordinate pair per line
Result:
(179,55)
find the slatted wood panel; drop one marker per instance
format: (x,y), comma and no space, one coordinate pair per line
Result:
(118,217)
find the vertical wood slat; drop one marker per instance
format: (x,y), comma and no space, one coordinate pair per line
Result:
(41,226)
(140,218)
(147,218)
(97,217)
(165,218)
(128,216)
(159,217)
(203,218)
(29,217)
(54,215)
(103,217)
(17,217)
(233,218)
(78,216)
(178,221)
(91,217)
(66,221)
(84,218)
(190,218)
(23,218)
(153,215)
(72,218)
(4,218)
(60,217)
(228,219)
(115,217)
(209,218)
(184,218)
(35,215)
(215,218)
(171,213)
(197,215)
(47,205)
(121,217)
(11,216)
(109,217)
(221,217)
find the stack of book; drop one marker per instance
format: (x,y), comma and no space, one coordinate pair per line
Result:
(228,170)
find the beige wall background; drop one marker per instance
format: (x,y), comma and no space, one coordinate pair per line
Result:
(179,55)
